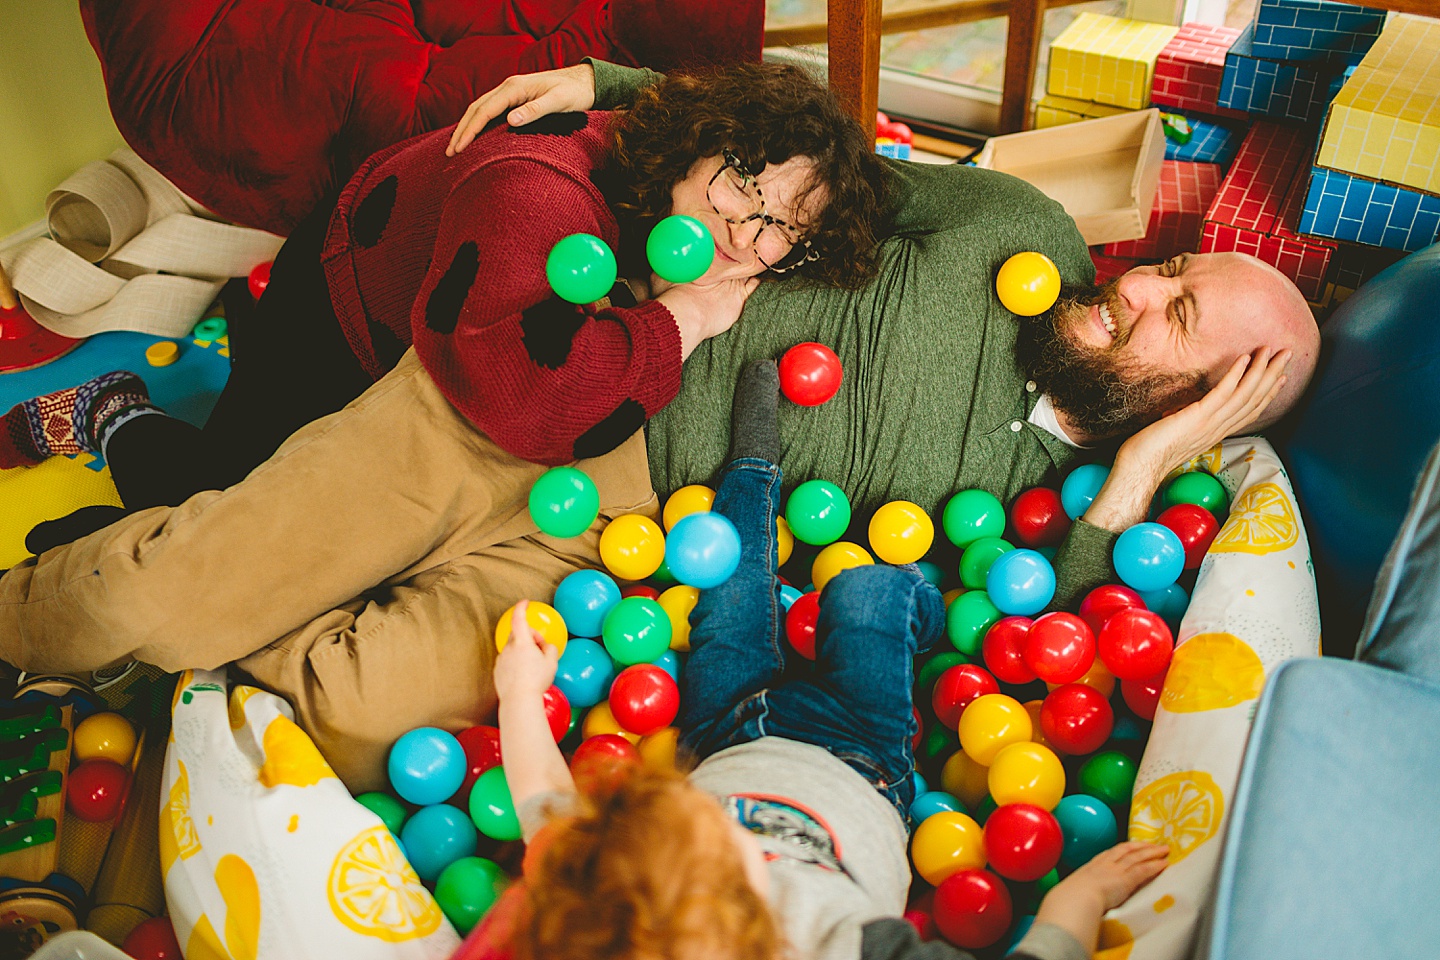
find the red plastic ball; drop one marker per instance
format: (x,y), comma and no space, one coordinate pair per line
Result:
(810,374)
(1060,648)
(957,688)
(95,790)
(972,908)
(901,132)
(259,279)
(1004,650)
(1135,644)
(1102,602)
(644,698)
(1143,696)
(639,590)
(153,939)
(1038,518)
(921,915)
(482,751)
(1076,719)
(919,737)
(557,711)
(800,622)
(1022,841)
(602,761)
(1195,526)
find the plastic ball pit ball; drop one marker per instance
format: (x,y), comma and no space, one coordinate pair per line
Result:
(1097,678)
(544,619)
(930,802)
(583,599)
(946,843)
(703,550)
(695,498)
(1143,696)
(677,602)
(1022,842)
(482,751)
(1149,557)
(639,590)
(972,908)
(467,889)
(972,514)
(153,939)
(1080,488)
(800,621)
(600,720)
(580,268)
(1027,773)
(1135,644)
(968,618)
(834,560)
(989,724)
(637,631)
(104,736)
(901,532)
(957,688)
(810,374)
(1004,650)
(390,811)
(680,249)
(436,837)
(1039,518)
(1020,582)
(1109,776)
(1099,604)
(644,698)
(557,712)
(1089,827)
(1028,284)
(1199,488)
(492,809)
(95,790)
(259,279)
(632,547)
(975,562)
(1171,603)
(564,502)
(1195,526)
(584,673)
(426,766)
(1060,648)
(818,512)
(1076,719)
(965,779)
(602,761)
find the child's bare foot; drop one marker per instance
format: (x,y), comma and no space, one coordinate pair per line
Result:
(1078,902)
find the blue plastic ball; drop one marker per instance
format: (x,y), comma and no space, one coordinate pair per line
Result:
(931,571)
(788,595)
(1022,927)
(427,765)
(583,599)
(1149,557)
(933,802)
(1080,488)
(670,662)
(703,550)
(436,837)
(1088,826)
(1128,728)
(1171,603)
(1020,583)
(918,782)
(584,673)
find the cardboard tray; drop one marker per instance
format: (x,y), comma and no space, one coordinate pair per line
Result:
(1103,172)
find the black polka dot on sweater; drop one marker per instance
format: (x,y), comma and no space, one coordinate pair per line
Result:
(442,310)
(609,433)
(548,331)
(554,125)
(372,214)
(385,345)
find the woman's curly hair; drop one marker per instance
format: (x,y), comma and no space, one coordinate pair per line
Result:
(646,870)
(765,113)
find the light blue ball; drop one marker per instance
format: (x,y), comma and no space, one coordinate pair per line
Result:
(703,549)
(1128,728)
(584,673)
(931,571)
(788,595)
(932,802)
(1080,488)
(1020,583)
(1149,557)
(1171,603)
(1088,826)
(918,782)
(669,661)
(427,765)
(583,599)
(436,837)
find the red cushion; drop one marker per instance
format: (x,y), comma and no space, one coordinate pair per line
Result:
(259,109)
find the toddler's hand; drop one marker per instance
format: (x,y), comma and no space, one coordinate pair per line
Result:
(1078,902)
(526,667)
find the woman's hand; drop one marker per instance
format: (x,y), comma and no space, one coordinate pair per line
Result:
(702,312)
(528,97)
(525,669)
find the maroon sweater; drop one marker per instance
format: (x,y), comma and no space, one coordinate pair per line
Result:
(449,253)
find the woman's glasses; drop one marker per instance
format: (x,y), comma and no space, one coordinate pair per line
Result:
(737,198)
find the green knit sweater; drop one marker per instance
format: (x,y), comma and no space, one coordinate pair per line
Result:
(933,400)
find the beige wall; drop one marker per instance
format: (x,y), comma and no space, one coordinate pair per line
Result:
(53,114)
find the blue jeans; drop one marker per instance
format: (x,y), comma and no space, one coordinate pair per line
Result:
(743,681)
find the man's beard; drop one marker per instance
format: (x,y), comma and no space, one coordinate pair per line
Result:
(1102,393)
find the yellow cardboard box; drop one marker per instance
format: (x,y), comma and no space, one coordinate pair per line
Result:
(1107,60)
(1052,111)
(1385,123)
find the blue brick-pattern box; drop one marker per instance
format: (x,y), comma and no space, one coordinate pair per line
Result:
(1337,82)
(1284,91)
(1343,207)
(1309,30)
(1353,266)
(1210,142)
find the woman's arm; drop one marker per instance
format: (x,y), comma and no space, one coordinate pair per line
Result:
(523,672)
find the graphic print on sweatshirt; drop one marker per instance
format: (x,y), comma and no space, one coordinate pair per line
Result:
(801,834)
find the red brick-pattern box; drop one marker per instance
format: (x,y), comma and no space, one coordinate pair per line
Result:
(1107,268)
(1189,70)
(1259,205)
(1185,193)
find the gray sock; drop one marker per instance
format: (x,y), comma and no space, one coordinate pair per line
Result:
(754,421)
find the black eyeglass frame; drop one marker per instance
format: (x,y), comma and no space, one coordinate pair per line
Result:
(728,161)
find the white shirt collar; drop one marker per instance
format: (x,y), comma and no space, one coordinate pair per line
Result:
(1043,416)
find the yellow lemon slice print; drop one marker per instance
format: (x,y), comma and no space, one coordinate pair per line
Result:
(1181,810)
(238,698)
(242,906)
(1210,671)
(204,944)
(1116,940)
(178,839)
(374,891)
(1261,521)
(291,757)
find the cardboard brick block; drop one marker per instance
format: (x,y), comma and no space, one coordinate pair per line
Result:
(1107,59)
(1188,72)
(1258,207)
(1342,207)
(1052,111)
(1353,267)
(1185,194)
(1273,88)
(1107,268)
(1311,30)
(1210,142)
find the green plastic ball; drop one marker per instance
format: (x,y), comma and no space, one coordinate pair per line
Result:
(390,811)
(580,268)
(972,514)
(491,807)
(564,502)
(987,807)
(663,576)
(930,672)
(467,889)
(680,249)
(967,620)
(1047,883)
(637,630)
(976,560)
(1199,488)
(1109,776)
(940,741)
(818,512)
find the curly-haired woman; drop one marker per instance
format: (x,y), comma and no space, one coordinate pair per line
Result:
(432,263)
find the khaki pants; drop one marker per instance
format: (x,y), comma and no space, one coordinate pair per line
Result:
(358,573)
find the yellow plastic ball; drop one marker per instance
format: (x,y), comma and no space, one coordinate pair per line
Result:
(786,539)
(1037,732)
(990,724)
(947,842)
(601,720)
(696,498)
(835,558)
(900,532)
(657,749)
(1098,678)
(1028,284)
(632,546)
(1027,773)
(105,736)
(678,601)
(949,596)
(543,619)
(964,778)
